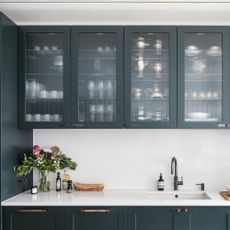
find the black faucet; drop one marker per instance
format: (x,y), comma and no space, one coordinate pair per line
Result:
(176,181)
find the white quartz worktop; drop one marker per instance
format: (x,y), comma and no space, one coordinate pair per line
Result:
(114,198)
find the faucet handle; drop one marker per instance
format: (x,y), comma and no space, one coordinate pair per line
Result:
(180,182)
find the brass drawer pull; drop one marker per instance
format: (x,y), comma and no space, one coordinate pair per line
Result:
(95,210)
(32,210)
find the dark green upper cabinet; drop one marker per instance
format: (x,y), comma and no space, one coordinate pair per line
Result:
(150,77)
(44,77)
(97,77)
(203,77)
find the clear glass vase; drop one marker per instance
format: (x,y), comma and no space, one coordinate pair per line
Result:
(44,183)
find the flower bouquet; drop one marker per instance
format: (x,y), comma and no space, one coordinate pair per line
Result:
(45,160)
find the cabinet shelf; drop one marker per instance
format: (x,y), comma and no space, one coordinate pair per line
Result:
(150,99)
(96,58)
(96,101)
(203,100)
(44,52)
(159,52)
(44,100)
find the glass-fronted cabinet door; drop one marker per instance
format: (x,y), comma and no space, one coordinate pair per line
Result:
(44,95)
(203,99)
(150,77)
(97,77)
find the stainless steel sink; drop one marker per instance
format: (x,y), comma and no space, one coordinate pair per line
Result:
(179,196)
(164,195)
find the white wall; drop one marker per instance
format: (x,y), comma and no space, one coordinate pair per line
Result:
(133,159)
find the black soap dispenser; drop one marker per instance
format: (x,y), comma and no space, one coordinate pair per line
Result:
(160,183)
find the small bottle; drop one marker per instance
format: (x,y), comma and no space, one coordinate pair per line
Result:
(70,186)
(65,178)
(34,190)
(58,182)
(160,183)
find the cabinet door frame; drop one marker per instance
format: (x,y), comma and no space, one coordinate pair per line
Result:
(225,71)
(75,31)
(66,76)
(54,214)
(171,30)
(73,214)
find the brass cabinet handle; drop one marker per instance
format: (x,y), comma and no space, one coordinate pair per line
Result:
(181,210)
(32,210)
(95,210)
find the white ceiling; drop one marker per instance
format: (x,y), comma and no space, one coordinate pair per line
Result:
(116,13)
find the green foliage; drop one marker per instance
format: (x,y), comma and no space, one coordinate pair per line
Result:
(47,159)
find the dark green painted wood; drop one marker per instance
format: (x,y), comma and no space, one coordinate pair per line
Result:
(146,218)
(66,76)
(118,30)
(115,219)
(167,218)
(172,76)
(37,218)
(213,218)
(181,78)
(13,141)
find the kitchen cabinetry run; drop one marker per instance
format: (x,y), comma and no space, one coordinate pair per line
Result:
(150,77)
(203,60)
(116,218)
(85,88)
(178,218)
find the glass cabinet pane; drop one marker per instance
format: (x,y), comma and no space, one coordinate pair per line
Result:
(44,77)
(97,77)
(203,77)
(150,77)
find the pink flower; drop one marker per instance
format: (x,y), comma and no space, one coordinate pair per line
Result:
(47,150)
(36,153)
(55,149)
(36,150)
(54,156)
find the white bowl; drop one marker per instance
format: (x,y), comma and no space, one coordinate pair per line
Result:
(198,115)
(214,51)
(192,51)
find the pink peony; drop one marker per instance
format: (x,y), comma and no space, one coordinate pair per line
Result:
(55,149)
(47,150)
(54,156)
(36,148)
(36,153)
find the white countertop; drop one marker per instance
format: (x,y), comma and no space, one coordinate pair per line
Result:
(115,198)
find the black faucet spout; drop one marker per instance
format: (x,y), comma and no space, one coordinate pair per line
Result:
(176,182)
(174,162)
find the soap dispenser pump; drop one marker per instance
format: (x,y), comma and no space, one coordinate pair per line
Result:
(160,183)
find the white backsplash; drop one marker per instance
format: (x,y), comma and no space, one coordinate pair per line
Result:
(133,159)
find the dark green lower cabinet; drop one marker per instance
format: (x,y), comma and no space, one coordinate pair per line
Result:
(149,218)
(178,218)
(96,218)
(116,218)
(36,218)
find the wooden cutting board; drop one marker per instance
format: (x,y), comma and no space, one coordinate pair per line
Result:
(88,187)
(224,194)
